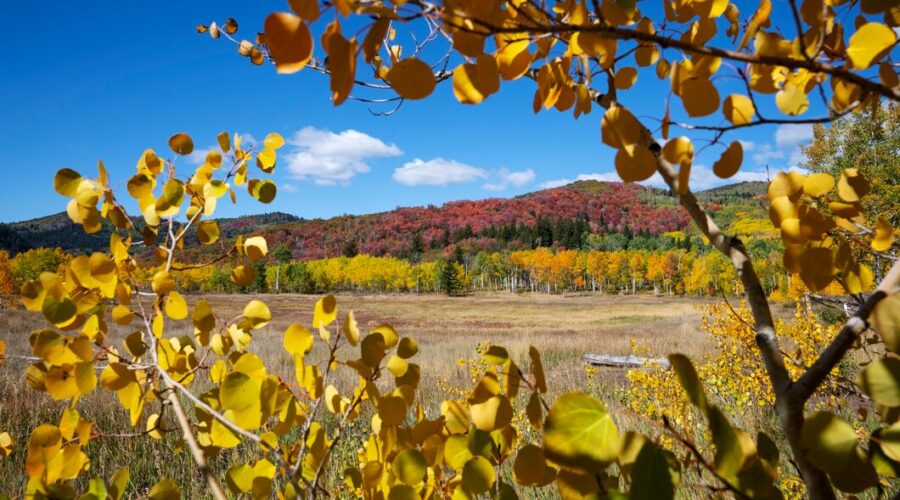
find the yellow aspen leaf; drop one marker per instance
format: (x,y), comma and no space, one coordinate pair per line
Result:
(456,416)
(597,45)
(243,275)
(307,9)
(325,311)
(759,18)
(738,109)
(619,128)
(66,182)
(579,432)
(181,143)
(790,232)
(492,414)
(844,94)
(298,340)
(162,283)
(350,329)
(537,369)
(857,278)
(886,320)
(256,248)
(411,78)
(372,350)
(534,411)
(122,315)
(224,141)
(679,151)
(154,427)
(6,444)
(477,476)
(392,410)
(410,466)
(645,55)
(884,235)
(513,59)
(635,163)
(468,44)
(625,78)
(699,96)
(208,232)
(852,186)
(374,37)
(456,452)
(473,83)
(583,100)
(290,41)
(662,69)
(140,186)
(407,348)
(165,490)
(59,312)
(263,190)
(341,61)
(730,162)
(788,184)
(869,44)
(792,100)
(257,313)
(397,366)
(817,185)
(176,306)
(530,466)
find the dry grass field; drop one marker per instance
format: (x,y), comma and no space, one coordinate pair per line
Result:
(562,327)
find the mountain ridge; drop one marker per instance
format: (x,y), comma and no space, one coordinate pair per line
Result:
(490,223)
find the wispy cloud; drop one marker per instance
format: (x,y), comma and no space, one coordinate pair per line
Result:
(505,179)
(437,172)
(329,158)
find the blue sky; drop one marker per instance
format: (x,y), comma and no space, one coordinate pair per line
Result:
(84,81)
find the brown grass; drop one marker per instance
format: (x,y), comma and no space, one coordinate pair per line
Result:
(562,327)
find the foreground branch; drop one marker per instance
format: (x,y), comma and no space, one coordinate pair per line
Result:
(832,355)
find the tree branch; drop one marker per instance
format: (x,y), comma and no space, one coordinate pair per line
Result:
(813,377)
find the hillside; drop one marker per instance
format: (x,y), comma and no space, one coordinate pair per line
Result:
(58,231)
(559,217)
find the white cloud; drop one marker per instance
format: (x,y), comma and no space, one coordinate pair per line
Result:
(437,172)
(702,177)
(329,158)
(289,188)
(506,178)
(791,135)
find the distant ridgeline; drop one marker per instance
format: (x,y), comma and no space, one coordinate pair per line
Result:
(581,215)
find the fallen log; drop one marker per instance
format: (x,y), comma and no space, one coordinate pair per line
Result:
(628,361)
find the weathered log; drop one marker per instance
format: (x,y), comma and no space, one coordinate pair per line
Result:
(628,361)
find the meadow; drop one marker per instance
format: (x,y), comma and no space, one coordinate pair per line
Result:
(563,327)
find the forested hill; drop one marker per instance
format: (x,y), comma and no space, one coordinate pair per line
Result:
(562,217)
(57,230)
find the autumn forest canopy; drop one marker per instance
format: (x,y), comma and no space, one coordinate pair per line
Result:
(761,316)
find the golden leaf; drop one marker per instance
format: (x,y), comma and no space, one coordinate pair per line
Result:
(290,41)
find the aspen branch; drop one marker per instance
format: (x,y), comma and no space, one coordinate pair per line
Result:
(807,384)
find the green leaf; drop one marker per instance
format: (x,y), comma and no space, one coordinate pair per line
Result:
(651,478)
(578,432)
(881,381)
(829,441)
(689,380)
(409,466)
